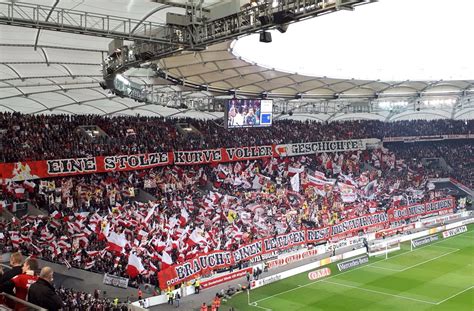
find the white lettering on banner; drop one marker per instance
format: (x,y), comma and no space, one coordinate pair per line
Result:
(235,154)
(344,243)
(345,265)
(314,235)
(438,205)
(455,231)
(319,274)
(265,257)
(425,240)
(291,258)
(321,146)
(359,223)
(198,156)
(197,265)
(68,166)
(135,161)
(266,281)
(248,251)
(115,281)
(285,240)
(225,278)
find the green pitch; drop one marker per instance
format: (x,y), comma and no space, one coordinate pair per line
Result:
(437,276)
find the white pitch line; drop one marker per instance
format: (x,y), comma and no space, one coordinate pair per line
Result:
(422,263)
(381,293)
(440,246)
(415,265)
(310,283)
(444,300)
(383,268)
(468,237)
(254,304)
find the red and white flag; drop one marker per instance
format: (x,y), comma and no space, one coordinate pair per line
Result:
(166,260)
(29,186)
(150,214)
(183,219)
(295,182)
(195,238)
(134,267)
(19,193)
(116,242)
(89,265)
(56,215)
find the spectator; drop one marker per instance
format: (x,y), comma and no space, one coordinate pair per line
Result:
(23,281)
(140,294)
(16,261)
(177,298)
(197,286)
(43,294)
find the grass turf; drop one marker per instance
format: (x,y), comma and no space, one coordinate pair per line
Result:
(438,276)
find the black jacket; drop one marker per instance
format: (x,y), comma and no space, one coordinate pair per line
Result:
(6,286)
(42,294)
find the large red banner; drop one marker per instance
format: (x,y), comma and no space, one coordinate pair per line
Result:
(69,167)
(26,170)
(422,209)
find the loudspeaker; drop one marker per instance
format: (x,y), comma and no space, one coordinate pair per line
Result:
(264,19)
(266,37)
(283,17)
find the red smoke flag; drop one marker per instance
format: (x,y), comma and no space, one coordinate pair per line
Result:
(134,267)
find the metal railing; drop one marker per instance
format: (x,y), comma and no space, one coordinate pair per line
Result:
(93,24)
(4,297)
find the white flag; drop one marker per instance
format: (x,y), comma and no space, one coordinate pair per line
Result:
(295,182)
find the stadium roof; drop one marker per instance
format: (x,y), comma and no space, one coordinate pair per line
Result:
(62,75)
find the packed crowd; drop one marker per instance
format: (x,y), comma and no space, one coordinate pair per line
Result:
(78,300)
(92,219)
(39,137)
(458,156)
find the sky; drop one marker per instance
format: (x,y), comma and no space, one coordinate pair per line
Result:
(392,40)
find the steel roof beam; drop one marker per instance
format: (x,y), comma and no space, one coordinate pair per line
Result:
(86,23)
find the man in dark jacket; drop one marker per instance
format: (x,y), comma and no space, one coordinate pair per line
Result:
(16,261)
(42,292)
